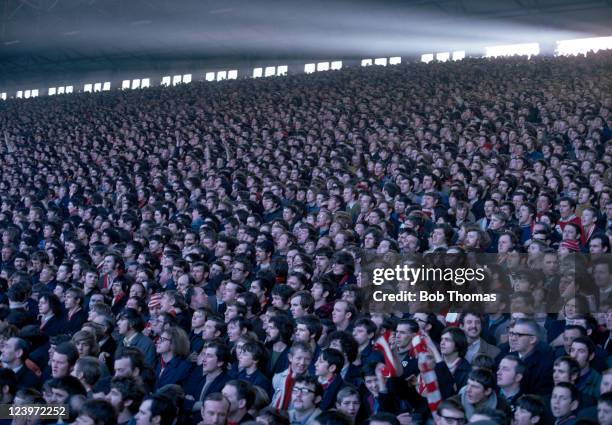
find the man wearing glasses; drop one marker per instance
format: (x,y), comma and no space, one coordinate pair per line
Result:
(524,340)
(450,412)
(305,397)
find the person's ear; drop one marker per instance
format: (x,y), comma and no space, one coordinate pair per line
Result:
(332,368)
(6,389)
(242,403)
(574,405)
(318,400)
(156,420)
(488,391)
(534,420)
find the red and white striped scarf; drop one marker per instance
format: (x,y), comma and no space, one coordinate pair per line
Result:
(427,381)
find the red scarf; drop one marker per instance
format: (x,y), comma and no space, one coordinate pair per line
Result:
(283,402)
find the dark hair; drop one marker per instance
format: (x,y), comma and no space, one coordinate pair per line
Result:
(8,378)
(244,391)
(131,388)
(520,367)
(100,411)
(574,367)
(575,393)
(284,325)
(222,352)
(163,407)
(533,404)
(134,319)
(499,417)
(70,384)
(311,381)
(333,357)
(585,340)
(349,345)
(90,368)
(54,304)
(459,338)
(258,351)
(333,417)
(368,324)
(69,350)
(312,323)
(483,376)
(384,417)
(606,398)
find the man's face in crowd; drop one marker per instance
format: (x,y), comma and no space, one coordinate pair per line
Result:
(300,361)
(214,412)
(349,405)
(524,417)
(210,361)
(59,365)
(123,367)
(476,392)
(561,403)
(339,313)
(472,326)
(580,353)
(606,383)
(561,373)
(303,397)
(143,417)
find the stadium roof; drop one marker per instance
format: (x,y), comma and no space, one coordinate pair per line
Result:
(59,37)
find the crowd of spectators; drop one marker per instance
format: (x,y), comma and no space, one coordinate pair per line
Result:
(193,254)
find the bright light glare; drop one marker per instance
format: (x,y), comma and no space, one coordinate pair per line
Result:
(35,93)
(270,71)
(582,46)
(61,90)
(443,56)
(106,86)
(210,76)
(458,55)
(309,68)
(323,66)
(125,84)
(52,91)
(380,61)
(69,89)
(232,74)
(176,80)
(427,57)
(166,80)
(136,83)
(3,96)
(395,60)
(526,49)
(281,70)
(145,82)
(19,94)
(257,72)
(27,94)
(87,88)
(97,87)
(187,78)
(366,62)
(336,65)
(221,75)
